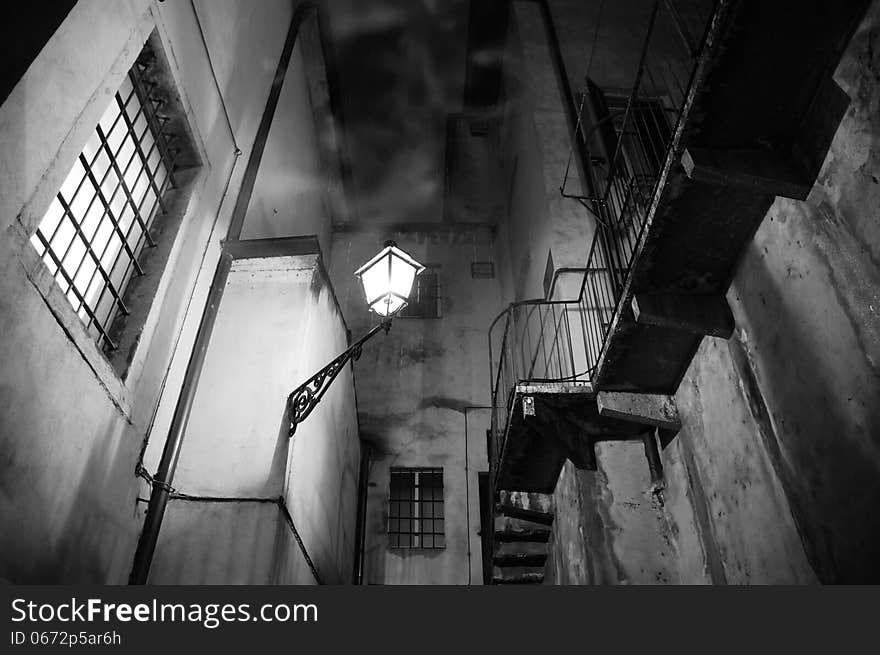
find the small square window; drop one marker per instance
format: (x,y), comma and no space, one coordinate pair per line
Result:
(415,516)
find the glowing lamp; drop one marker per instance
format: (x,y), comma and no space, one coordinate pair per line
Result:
(388,279)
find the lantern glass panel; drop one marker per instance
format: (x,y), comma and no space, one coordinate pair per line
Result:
(375,279)
(388,279)
(402,275)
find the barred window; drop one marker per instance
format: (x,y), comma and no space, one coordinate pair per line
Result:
(96,227)
(415,517)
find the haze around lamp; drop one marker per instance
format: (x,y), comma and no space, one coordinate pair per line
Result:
(388,279)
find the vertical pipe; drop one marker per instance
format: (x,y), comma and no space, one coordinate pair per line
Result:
(164,476)
(467,491)
(360,532)
(167,466)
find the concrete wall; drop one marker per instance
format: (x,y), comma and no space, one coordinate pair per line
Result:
(70,429)
(805,357)
(417,390)
(610,525)
(278,323)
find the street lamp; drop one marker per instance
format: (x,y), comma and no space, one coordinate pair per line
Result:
(387,280)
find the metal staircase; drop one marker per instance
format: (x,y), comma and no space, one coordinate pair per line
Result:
(521,533)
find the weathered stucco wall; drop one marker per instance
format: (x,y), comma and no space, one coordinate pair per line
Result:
(415,387)
(252,545)
(70,429)
(610,526)
(807,348)
(277,324)
(749,519)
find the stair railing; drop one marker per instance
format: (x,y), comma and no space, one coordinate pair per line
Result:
(547,340)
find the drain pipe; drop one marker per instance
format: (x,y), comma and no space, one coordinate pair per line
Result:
(467,483)
(360,532)
(164,477)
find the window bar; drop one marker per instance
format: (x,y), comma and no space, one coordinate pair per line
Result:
(128,265)
(78,229)
(109,212)
(82,300)
(124,186)
(152,119)
(415,511)
(92,163)
(140,150)
(58,226)
(128,231)
(103,179)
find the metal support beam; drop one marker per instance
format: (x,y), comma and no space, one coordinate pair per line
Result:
(655,464)
(761,171)
(709,315)
(306,396)
(646,408)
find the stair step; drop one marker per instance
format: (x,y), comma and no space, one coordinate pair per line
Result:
(517,575)
(520,560)
(513,547)
(509,529)
(534,507)
(537,502)
(527,514)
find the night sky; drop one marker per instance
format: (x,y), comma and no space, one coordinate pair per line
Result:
(401,70)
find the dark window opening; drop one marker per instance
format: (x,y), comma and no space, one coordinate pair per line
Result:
(482,270)
(424,300)
(415,515)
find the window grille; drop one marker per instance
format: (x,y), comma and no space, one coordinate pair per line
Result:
(415,517)
(100,219)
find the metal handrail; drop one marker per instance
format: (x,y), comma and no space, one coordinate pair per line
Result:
(539,344)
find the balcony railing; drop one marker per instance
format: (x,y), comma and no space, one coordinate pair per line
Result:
(626,154)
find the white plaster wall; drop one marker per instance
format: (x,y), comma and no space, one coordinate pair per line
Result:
(70,430)
(236,439)
(291,189)
(252,545)
(321,476)
(277,325)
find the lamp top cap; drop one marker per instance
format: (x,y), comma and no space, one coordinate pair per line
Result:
(390,242)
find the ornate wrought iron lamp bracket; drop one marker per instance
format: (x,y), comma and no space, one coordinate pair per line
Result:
(303,399)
